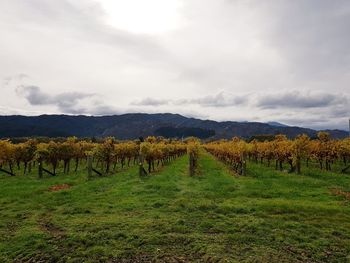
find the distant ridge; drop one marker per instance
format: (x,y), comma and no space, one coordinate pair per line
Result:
(134,125)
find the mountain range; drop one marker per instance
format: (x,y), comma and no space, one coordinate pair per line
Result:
(134,125)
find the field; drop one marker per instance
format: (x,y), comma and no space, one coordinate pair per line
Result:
(168,216)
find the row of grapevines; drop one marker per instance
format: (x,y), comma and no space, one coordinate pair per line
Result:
(110,152)
(63,153)
(232,152)
(322,150)
(105,154)
(193,147)
(160,151)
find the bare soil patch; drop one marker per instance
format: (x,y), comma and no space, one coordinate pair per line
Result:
(341,193)
(59,187)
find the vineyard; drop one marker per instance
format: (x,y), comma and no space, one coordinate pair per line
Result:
(302,151)
(105,155)
(323,151)
(168,200)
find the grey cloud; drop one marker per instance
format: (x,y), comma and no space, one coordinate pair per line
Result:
(150,102)
(296,99)
(218,100)
(341,111)
(66,102)
(94,110)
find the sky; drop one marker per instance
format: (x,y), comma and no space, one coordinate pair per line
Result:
(252,60)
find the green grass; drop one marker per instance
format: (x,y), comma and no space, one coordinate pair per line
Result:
(266,216)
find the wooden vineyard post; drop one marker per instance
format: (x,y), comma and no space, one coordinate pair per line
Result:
(244,164)
(89,166)
(298,165)
(142,171)
(244,167)
(140,165)
(90,169)
(40,168)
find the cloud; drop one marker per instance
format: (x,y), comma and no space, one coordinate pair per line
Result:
(297,99)
(340,111)
(67,102)
(100,110)
(151,102)
(221,99)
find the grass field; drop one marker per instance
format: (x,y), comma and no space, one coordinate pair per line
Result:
(266,216)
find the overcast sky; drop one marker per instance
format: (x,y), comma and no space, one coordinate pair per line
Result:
(286,61)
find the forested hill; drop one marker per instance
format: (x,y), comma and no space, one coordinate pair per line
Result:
(130,126)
